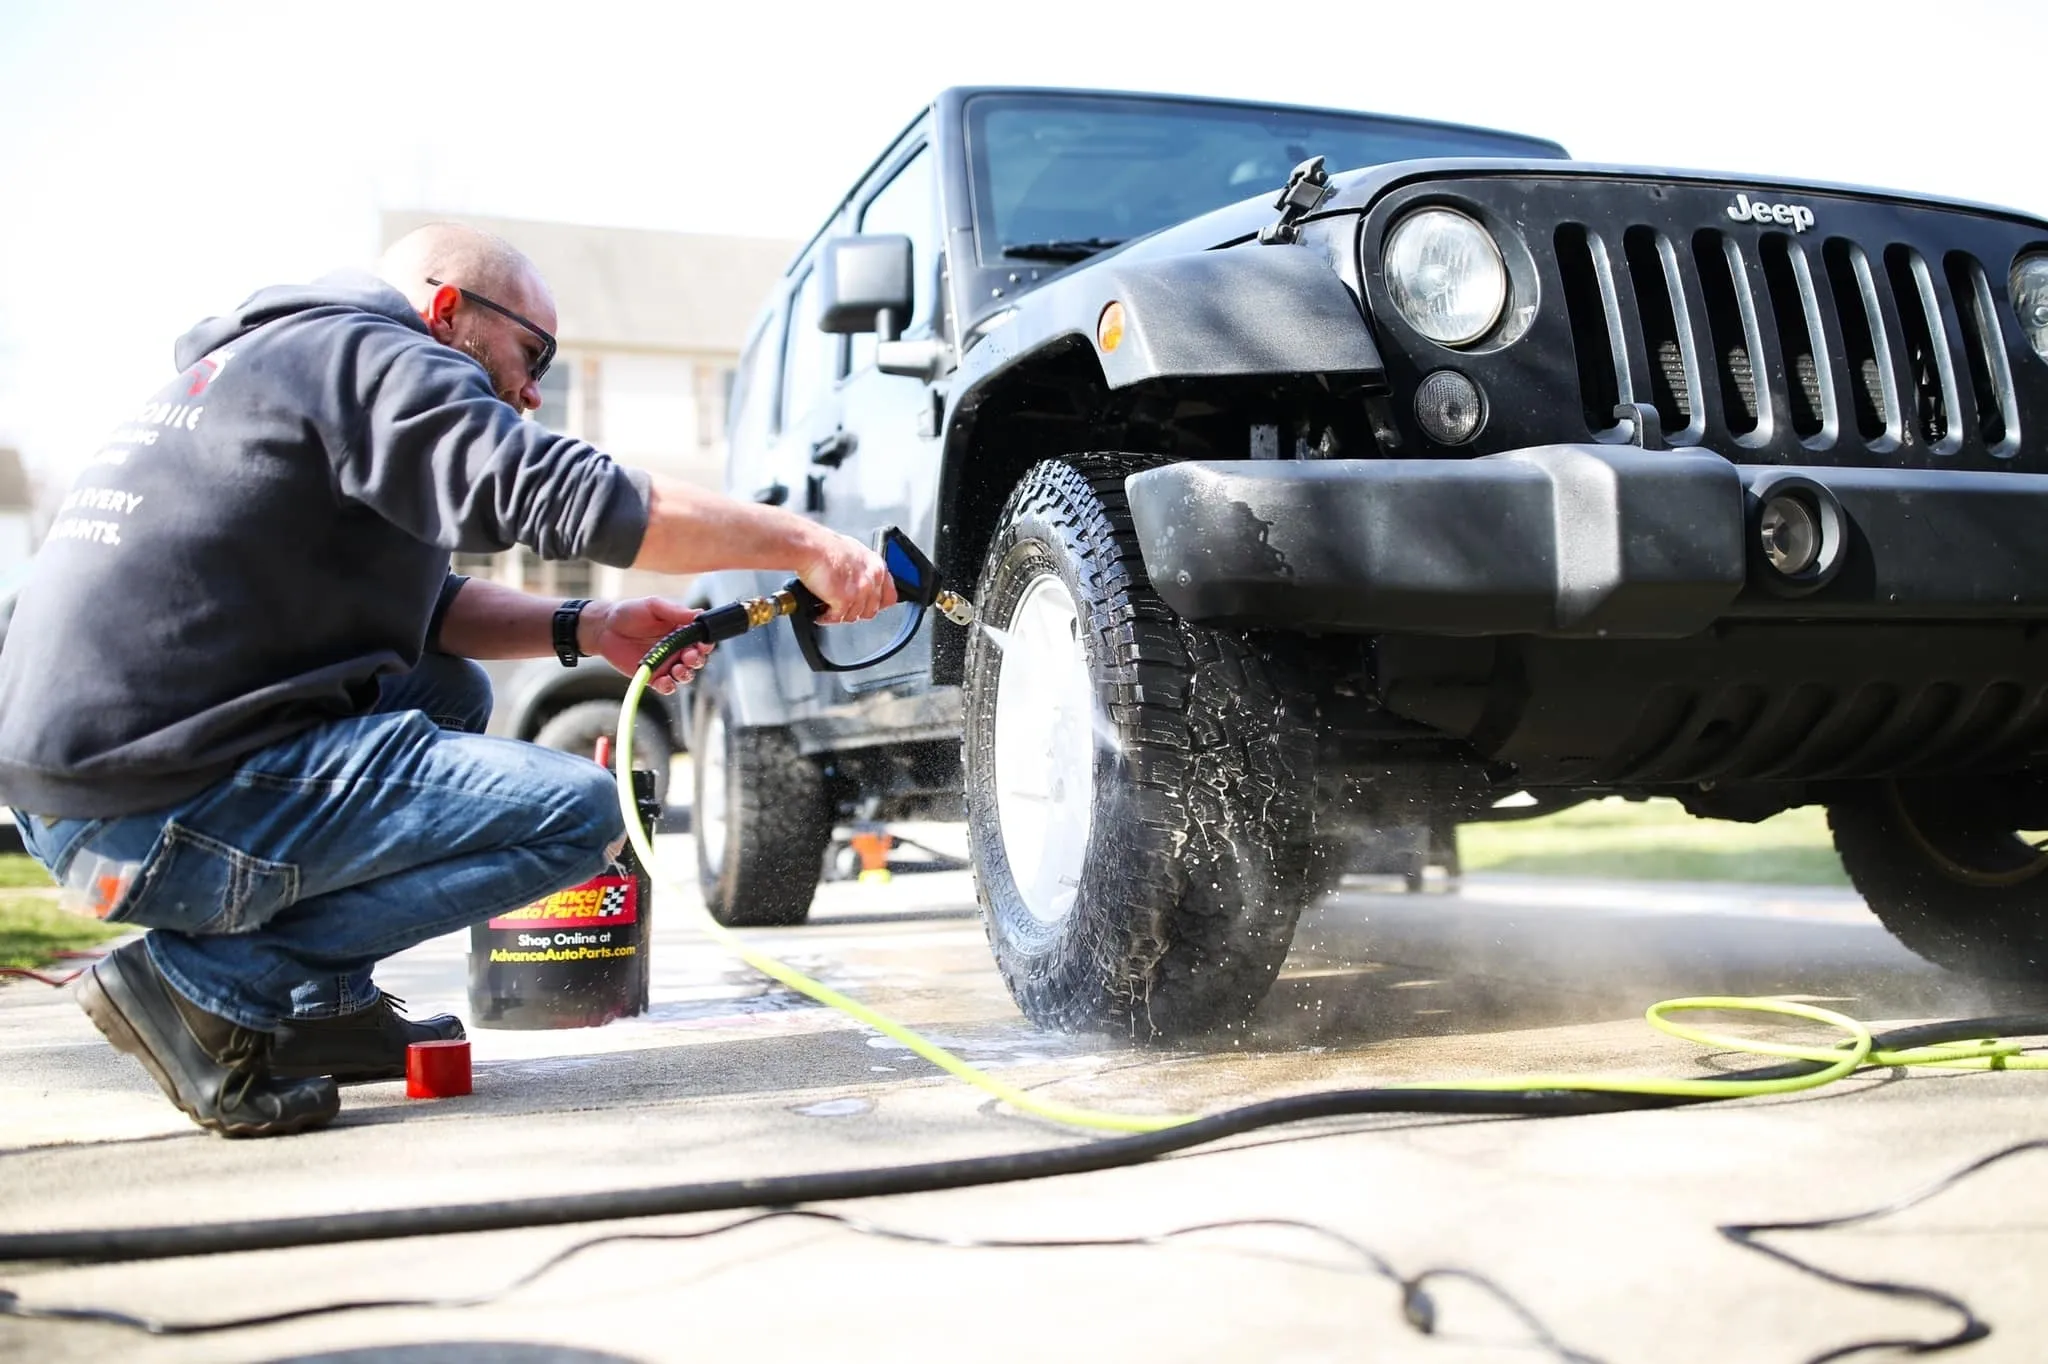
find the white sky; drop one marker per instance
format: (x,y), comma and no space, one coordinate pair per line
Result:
(158,161)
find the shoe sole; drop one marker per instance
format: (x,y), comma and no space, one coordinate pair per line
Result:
(106,1015)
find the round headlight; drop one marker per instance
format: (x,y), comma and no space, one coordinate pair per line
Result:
(2030,300)
(1445,274)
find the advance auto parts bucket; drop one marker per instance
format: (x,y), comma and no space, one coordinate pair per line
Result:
(578,958)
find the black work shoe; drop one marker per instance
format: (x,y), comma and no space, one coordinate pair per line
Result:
(366,1045)
(212,1068)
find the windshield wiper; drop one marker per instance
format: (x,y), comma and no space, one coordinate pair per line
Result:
(1062,249)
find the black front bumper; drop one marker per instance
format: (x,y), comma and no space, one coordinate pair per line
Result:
(1577,541)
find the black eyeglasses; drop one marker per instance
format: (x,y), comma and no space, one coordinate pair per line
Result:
(539,364)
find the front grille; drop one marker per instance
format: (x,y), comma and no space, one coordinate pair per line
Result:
(1875,346)
(1881,336)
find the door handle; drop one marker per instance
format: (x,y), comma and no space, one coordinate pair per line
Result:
(833,449)
(774,495)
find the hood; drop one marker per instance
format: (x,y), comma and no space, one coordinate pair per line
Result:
(354,290)
(1358,189)
(1355,191)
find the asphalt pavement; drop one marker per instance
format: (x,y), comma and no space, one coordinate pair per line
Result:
(1576,1237)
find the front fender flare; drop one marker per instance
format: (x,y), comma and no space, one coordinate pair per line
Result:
(1254,311)
(1268,311)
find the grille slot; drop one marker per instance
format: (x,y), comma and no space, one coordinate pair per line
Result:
(1596,326)
(1930,368)
(1998,423)
(1795,308)
(1873,389)
(1667,333)
(1732,335)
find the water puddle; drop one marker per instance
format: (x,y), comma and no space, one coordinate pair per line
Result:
(835,1108)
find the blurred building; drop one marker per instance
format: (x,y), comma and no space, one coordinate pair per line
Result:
(17,515)
(650,328)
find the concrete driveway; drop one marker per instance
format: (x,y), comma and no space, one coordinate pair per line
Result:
(1600,1230)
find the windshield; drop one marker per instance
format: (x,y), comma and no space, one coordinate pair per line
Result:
(1061,176)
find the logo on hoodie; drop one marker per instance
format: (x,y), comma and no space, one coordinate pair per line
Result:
(206,371)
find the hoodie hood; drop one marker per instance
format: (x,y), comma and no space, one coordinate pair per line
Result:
(347,290)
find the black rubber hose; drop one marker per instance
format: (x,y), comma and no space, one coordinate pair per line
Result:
(111,1245)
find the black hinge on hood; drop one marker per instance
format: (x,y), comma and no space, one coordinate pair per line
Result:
(1306,189)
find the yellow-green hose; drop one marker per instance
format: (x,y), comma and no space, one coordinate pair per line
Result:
(1836,1062)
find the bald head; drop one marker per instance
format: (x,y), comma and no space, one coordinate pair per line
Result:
(486,299)
(462,256)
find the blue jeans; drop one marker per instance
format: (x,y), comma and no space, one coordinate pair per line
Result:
(272,893)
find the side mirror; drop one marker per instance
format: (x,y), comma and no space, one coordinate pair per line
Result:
(924,360)
(866,285)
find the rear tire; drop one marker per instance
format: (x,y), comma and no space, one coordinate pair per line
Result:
(762,819)
(1150,778)
(577,728)
(1945,868)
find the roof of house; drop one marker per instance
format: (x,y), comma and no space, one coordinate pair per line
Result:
(633,288)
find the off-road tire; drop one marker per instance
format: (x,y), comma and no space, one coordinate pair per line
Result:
(577,728)
(1991,923)
(1199,850)
(778,821)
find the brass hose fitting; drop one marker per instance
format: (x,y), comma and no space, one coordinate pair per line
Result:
(954,607)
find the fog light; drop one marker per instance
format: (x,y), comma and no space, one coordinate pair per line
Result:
(1790,532)
(1449,407)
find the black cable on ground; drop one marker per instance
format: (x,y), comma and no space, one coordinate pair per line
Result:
(110,1245)
(1971,1328)
(1418,1307)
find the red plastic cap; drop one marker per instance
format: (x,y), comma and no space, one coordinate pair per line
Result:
(437,1070)
(604,751)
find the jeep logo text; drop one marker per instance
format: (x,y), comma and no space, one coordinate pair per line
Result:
(1798,217)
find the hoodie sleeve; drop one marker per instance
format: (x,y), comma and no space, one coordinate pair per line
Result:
(419,437)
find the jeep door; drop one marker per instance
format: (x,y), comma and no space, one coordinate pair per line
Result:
(881,465)
(806,416)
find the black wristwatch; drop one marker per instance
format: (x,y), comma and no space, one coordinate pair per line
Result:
(566,616)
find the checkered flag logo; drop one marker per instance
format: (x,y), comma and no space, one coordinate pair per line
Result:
(614,903)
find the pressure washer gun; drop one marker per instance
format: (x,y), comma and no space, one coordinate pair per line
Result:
(917,585)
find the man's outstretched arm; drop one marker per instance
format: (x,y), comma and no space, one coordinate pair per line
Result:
(690,530)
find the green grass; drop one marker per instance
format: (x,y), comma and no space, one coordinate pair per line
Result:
(33,930)
(1657,840)
(19,869)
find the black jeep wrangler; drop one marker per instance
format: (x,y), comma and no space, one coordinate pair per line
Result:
(1458,470)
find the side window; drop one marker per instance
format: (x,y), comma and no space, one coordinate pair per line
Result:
(753,396)
(908,204)
(809,356)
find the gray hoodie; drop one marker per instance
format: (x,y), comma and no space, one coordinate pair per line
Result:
(267,537)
